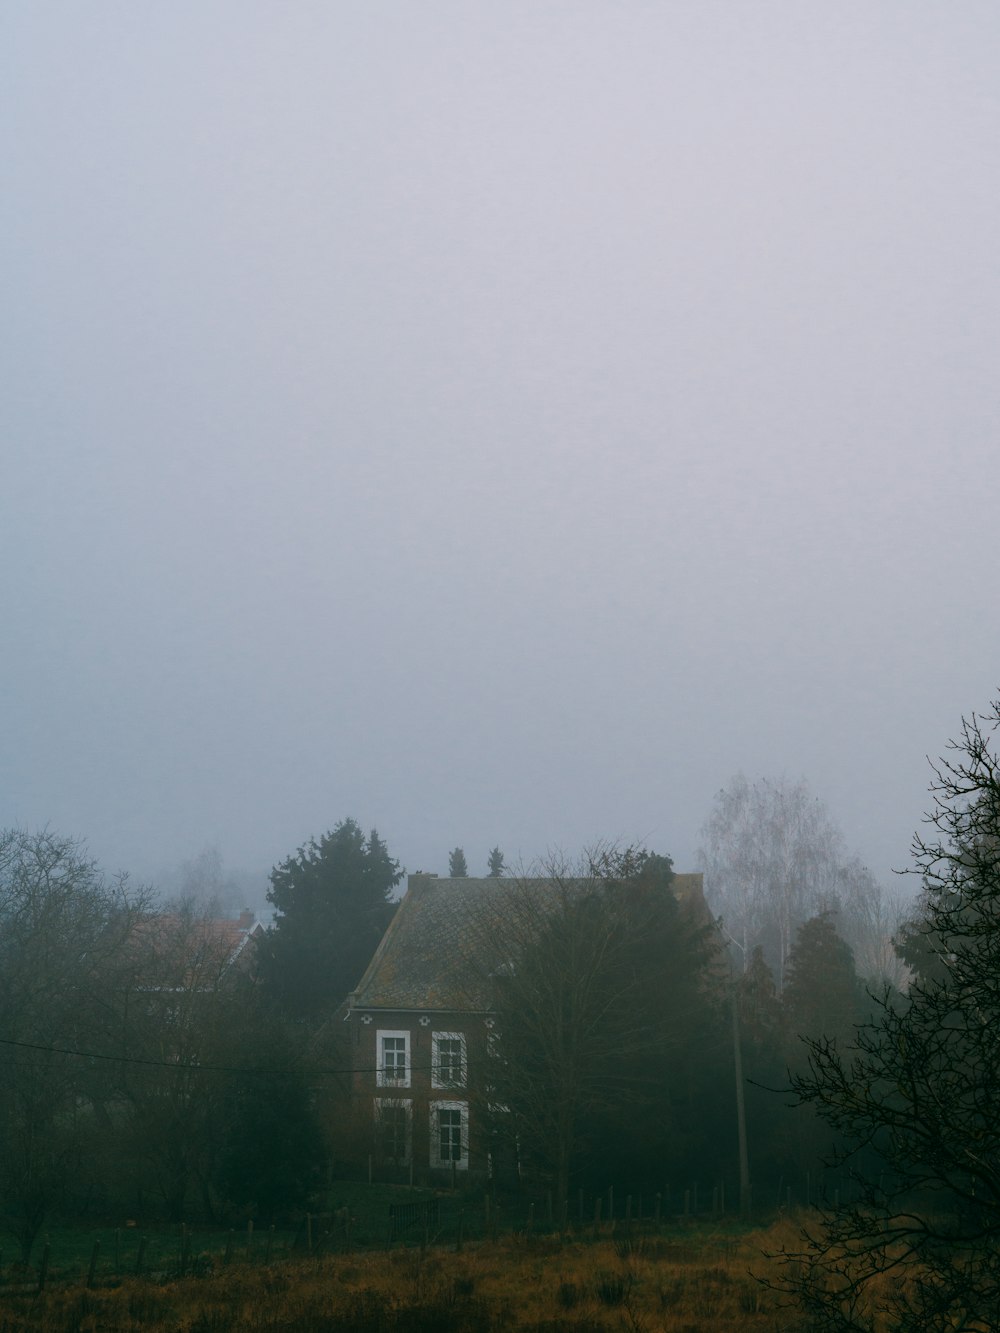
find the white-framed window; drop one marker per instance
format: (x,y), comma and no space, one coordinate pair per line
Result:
(392,1059)
(393,1130)
(447,1060)
(450,1135)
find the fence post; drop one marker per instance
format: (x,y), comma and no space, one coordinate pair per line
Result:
(597,1216)
(309,1232)
(611,1205)
(140,1256)
(531,1217)
(185,1247)
(687,1203)
(579,1205)
(249,1238)
(93,1264)
(227,1257)
(43,1270)
(656,1213)
(270,1241)
(118,1235)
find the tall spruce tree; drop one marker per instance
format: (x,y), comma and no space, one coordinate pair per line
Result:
(457,867)
(823,996)
(333,903)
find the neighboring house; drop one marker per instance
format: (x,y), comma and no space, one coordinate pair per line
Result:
(420,1021)
(174,951)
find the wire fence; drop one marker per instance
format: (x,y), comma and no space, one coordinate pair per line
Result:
(380,1215)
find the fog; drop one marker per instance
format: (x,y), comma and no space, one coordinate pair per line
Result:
(501,423)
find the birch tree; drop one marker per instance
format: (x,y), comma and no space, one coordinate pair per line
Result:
(771,856)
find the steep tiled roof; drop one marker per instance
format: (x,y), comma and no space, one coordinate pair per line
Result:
(432,955)
(427,958)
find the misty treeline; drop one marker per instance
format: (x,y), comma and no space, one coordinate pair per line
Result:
(148,1070)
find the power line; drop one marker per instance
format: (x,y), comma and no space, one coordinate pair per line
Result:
(170,1064)
(199,1068)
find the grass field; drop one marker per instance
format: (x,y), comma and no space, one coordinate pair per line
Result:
(681,1280)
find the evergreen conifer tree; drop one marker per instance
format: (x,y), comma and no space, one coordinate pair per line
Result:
(457,867)
(333,903)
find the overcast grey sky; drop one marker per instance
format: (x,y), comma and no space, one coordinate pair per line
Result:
(500,422)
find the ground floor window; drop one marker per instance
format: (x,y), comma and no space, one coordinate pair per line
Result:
(393,1122)
(449,1135)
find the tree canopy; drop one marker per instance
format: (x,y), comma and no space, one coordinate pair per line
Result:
(601,1011)
(333,901)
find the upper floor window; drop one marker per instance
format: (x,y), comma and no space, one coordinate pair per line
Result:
(392,1069)
(448,1060)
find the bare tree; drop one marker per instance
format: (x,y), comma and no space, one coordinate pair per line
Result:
(871,918)
(64,933)
(917,1095)
(188,1022)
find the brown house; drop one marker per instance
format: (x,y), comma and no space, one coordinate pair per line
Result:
(420,1020)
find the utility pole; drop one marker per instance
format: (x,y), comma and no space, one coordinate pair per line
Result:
(741,1116)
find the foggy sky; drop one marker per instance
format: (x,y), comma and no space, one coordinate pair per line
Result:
(498,422)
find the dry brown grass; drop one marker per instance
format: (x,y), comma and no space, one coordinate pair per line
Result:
(683,1284)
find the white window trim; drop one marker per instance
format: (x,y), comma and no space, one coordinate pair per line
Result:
(436,1080)
(383,1103)
(463,1162)
(381,1078)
